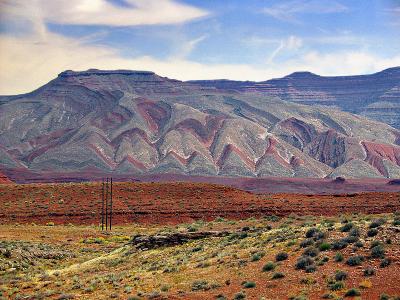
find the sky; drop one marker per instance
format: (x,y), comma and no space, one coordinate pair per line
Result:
(195,39)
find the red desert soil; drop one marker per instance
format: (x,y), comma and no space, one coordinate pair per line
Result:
(173,203)
(4,179)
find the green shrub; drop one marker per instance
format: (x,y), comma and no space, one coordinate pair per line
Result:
(249,284)
(339,244)
(354,232)
(305,243)
(311,232)
(339,257)
(396,222)
(378,252)
(239,296)
(277,275)
(340,276)
(385,263)
(303,262)
(384,297)
(372,232)
(311,251)
(347,227)
(352,293)
(310,269)
(377,223)
(281,256)
(257,256)
(325,246)
(336,285)
(369,271)
(269,266)
(199,285)
(355,260)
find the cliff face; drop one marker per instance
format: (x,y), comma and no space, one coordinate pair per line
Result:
(376,96)
(136,122)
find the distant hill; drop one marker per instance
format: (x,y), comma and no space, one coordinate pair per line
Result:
(376,96)
(139,123)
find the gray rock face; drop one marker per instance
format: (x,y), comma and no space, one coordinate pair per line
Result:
(376,96)
(136,122)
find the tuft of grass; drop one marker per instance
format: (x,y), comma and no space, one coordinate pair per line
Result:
(340,275)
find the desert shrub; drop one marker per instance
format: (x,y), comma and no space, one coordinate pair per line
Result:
(269,266)
(340,275)
(355,260)
(249,284)
(305,243)
(311,251)
(339,244)
(350,239)
(325,246)
(352,293)
(396,221)
(347,227)
(281,256)
(375,243)
(385,263)
(239,296)
(372,232)
(311,232)
(359,244)
(369,271)
(339,257)
(308,281)
(378,252)
(319,236)
(257,256)
(310,269)
(354,232)
(377,223)
(336,285)
(277,275)
(199,285)
(220,297)
(329,296)
(384,297)
(303,262)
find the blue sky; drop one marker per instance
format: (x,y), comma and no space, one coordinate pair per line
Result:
(193,39)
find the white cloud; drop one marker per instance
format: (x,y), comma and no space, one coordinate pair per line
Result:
(28,64)
(102,12)
(292,43)
(287,10)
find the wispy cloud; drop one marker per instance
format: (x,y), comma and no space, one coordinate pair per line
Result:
(292,43)
(288,10)
(102,12)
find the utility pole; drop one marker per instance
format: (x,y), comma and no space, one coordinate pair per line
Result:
(107,204)
(111,202)
(102,205)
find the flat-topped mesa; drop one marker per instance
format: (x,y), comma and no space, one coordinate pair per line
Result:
(91,72)
(303,74)
(145,82)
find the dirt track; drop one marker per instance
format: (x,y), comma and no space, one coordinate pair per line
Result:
(173,203)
